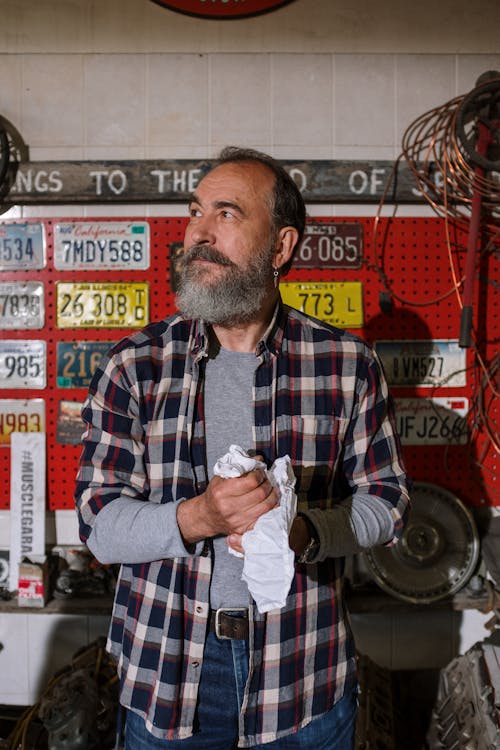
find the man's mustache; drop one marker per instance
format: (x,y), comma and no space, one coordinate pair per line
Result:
(205,252)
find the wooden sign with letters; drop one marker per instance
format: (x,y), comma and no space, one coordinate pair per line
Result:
(173,181)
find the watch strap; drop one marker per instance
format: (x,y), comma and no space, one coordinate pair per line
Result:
(312,547)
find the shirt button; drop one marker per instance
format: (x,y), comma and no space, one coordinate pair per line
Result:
(195,664)
(199,609)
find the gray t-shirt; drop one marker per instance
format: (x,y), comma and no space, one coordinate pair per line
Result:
(229,417)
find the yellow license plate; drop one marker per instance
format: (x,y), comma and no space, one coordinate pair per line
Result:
(102,305)
(19,415)
(337,303)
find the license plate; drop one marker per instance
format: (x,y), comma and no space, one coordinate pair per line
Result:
(106,244)
(22,364)
(338,303)
(330,245)
(433,421)
(102,305)
(22,247)
(70,427)
(175,255)
(423,363)
(77,362)
(21,305)
(18,415)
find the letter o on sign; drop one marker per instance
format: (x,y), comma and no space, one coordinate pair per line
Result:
(221,9)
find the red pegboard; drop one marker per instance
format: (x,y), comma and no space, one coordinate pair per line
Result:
(408,256)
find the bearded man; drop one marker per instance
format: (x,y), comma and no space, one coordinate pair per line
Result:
(200,666)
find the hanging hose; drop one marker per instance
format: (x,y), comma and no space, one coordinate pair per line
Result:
(440,148)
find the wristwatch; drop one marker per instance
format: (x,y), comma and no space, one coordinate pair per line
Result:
(312,547)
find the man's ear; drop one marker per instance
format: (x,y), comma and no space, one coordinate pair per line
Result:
(285,243)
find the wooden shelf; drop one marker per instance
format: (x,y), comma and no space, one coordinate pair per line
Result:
(371,599)
(365,599)
(98,605)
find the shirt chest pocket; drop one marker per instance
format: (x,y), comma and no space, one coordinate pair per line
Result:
(314,444)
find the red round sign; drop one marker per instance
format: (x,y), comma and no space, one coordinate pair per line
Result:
(222,8)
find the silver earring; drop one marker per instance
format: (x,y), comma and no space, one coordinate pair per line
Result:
(276,275)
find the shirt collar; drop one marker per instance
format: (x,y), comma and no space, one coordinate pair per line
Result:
(270,342)
(273,337)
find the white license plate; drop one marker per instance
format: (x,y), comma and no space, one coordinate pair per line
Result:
(105,244)
(102,305)
(22,246)
(424,363)
(432,421)
(19,415)
(338,303)
(22,364)
(21,305)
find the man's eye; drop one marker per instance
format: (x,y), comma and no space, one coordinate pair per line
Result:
(194,212)
(228,214)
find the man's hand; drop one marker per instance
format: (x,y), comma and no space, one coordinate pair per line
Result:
(228,506)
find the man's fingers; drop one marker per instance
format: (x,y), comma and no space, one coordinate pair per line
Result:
(235,542)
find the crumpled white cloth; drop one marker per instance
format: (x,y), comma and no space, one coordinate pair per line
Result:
(268,565)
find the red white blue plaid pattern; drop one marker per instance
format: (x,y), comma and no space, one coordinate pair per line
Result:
(320,397)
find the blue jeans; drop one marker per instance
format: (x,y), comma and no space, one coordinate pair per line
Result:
(223,678)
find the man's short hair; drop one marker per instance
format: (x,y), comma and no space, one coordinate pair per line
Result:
(288,209)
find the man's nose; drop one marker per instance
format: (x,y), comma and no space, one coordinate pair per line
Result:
(202,232)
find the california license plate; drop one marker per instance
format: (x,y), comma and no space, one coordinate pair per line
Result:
(22,247)
(105,244)
(330,245)
(337,303)
(19,415)
(102,305)
(22,364)
(432,421)
(77,362)
(423,363)
(21,305)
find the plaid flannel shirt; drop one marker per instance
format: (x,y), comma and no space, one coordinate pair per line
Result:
(320,397)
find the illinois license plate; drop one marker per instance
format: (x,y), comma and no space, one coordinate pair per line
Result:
(77,362)
(423,363)
(330,245)
(102,305)
(18,415)
(432,421)
(22,247)
(105,244)
(337,303)
(21,305)
(22,364)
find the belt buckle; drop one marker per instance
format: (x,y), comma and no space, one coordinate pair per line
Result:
(228,611)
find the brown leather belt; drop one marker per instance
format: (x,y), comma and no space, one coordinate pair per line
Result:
(229,623)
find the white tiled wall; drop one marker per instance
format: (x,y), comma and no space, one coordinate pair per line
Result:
(127,79)
(35,646)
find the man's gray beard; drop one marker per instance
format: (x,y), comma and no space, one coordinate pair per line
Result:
(233,299)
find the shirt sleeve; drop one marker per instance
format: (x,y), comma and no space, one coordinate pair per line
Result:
(134,531)
(351,526)
(374,507)
(116,519)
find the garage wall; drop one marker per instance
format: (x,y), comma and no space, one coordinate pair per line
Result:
(315,79)
(319,79)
